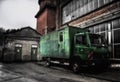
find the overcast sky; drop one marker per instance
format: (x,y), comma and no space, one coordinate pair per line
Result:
(18,13)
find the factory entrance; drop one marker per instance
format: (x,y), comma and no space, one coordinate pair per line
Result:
(18,52)
(34,53)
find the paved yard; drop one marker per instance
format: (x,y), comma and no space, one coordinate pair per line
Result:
(31,72)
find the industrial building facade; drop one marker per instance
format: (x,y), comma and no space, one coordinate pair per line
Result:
(99,16)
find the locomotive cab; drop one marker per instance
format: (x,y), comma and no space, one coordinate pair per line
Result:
(91,48)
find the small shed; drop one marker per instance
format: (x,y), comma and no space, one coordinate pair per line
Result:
(22,45)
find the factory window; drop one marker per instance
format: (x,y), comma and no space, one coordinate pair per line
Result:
(116,23)
(18,45)
(107,1)
(117,51)
(34,46)
(96,28)
(100,3)
(111,31)
(117,36)
(77,8)
(95,2)
(90,5)
(102,27)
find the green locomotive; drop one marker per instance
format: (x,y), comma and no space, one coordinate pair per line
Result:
(76,46)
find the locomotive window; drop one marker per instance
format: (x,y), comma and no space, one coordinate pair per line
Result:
(97,40)
(80,39)
(61,36)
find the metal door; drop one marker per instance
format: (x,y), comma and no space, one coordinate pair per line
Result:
(18,52)
(61,44)
(34,53)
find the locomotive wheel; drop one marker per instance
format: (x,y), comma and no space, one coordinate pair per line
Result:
(75,67)
(47,62)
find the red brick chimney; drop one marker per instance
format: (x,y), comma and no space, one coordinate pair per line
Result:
(46,16)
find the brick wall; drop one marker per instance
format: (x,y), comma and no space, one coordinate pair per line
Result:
(42,22)
(46,20)
(51,19)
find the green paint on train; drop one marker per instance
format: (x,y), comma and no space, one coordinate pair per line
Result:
(76,46)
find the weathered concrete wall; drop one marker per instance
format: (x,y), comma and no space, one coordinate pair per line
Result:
(26,49)
(9,53)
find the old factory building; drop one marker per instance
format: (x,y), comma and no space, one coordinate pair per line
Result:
(99,16)
(21,45)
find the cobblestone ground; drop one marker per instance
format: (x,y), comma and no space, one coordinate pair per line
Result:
(32,72)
